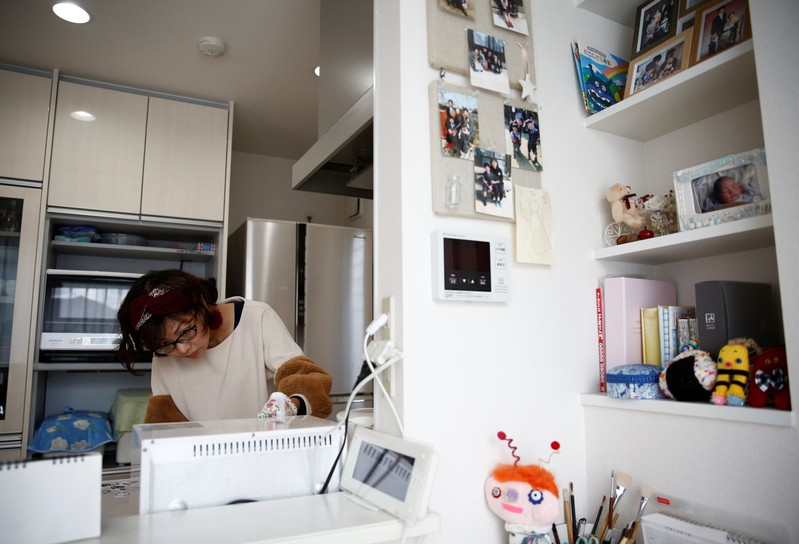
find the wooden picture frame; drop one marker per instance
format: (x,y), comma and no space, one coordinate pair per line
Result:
(655,22)
(711,35)
(668,59)
(697,190)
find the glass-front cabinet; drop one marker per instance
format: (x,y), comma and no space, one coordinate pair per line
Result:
(19,224)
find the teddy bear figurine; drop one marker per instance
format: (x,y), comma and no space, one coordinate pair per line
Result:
(621,209)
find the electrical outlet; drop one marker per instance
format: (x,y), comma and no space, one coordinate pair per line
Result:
(388,332)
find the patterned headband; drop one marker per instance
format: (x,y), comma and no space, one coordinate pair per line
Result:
(161,300)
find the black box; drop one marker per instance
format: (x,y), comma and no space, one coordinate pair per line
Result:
(734,309)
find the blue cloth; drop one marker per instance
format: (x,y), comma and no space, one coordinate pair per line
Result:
(74,431)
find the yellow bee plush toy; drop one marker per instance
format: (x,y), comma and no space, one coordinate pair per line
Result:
(732,366)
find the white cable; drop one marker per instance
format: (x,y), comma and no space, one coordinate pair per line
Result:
(382,368)
(378,323)
(382,387)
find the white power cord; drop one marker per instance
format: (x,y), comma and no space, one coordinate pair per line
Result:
(383,352)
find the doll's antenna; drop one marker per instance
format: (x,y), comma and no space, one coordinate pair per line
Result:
(502,436)
(555,445)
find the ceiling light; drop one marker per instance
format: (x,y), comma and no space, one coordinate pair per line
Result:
(211,46)
(316,71)
(72,13)
(82,116)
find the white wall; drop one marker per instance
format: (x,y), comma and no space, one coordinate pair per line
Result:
(260,186)
(472,369)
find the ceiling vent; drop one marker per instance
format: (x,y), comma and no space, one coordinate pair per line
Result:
(211,47)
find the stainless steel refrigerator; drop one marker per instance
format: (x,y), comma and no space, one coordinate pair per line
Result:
(318,278)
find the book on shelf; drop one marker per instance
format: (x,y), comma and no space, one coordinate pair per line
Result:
(667,322)
(650,336)
(602,76)
(623,299)
(687,331)
(600,332)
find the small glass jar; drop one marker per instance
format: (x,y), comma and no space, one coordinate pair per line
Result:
(453,192)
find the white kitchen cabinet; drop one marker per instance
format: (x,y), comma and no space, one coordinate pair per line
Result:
(19,228)
(98,149)
(24,114)
(185,160)
(138,154)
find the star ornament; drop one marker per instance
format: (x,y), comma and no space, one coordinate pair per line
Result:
(528,89)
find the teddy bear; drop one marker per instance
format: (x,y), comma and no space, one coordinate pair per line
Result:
(622,210)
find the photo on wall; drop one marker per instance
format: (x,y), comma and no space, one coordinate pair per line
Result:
(510,15)
(493,189)
(487,66)
(523,138)
(464,8)
(458,120)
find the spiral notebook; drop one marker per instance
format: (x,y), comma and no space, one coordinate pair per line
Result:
(51,500)
(660,528)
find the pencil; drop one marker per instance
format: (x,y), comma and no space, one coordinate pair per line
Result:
(567,515)
(598,514)
(574,516)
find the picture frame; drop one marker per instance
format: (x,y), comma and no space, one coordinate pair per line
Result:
(713,35)
(702,192)
(688,7)
(670,58)
(655,22)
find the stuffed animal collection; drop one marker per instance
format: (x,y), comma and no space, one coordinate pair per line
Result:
(742,374)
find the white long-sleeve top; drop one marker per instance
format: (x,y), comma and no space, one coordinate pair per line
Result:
(235,378)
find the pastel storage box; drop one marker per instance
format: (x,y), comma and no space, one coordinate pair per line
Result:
(634,382)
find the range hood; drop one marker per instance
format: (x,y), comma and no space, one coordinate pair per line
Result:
(340,162)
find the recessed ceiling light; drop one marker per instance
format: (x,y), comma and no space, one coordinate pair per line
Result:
(82,116)
(72,13)
(316,71)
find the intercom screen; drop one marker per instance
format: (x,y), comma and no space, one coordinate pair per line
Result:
(467,265)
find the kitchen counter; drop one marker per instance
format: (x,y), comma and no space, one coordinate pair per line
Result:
(318,519)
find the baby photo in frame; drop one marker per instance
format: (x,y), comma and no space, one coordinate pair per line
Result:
(510,15)
(487,66)
(723,190)
(458,120)
(660,63)
(719,26)
(493,189)
(523,138)
(655,22)
(464,8)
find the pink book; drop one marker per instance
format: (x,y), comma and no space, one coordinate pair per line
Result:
(624,298)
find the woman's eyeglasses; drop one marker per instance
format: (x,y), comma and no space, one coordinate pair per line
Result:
(186,336)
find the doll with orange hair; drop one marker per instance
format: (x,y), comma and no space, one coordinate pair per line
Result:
(526,498)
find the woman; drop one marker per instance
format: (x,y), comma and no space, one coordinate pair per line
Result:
(213,360)
(497,183)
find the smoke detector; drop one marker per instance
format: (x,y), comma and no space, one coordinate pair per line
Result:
(211,46)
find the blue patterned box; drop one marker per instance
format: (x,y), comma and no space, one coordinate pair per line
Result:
(634,382)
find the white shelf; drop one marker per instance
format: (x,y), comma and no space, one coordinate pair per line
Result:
(620,11)
(88,367)
(742,235)
(130,252)
(741,414)
(722,82)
